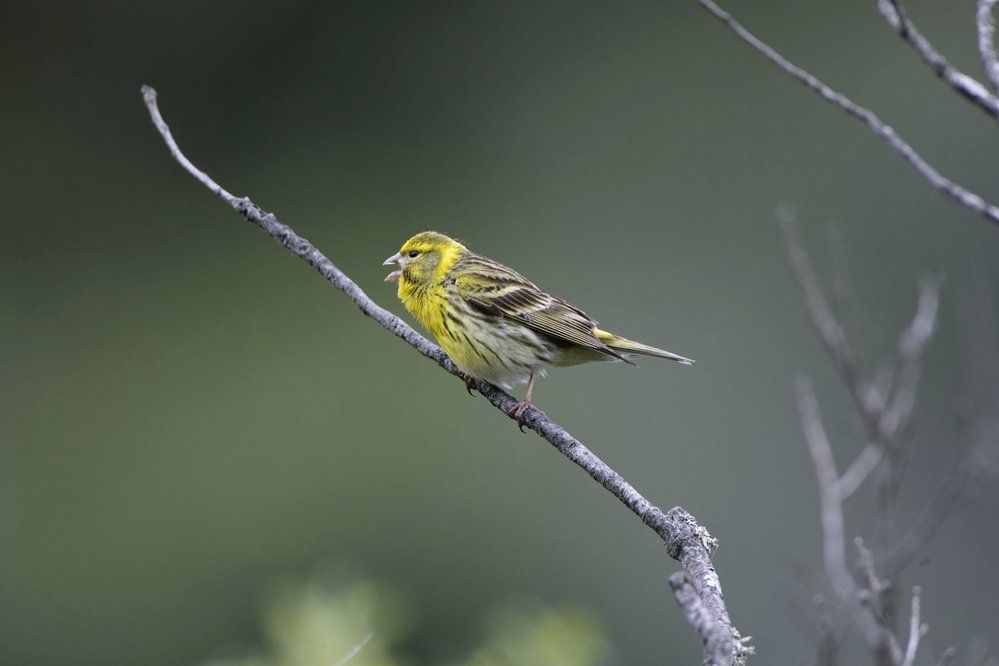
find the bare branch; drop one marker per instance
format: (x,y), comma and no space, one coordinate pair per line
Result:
(830,509)
(830,505)
(872,596)
(865,396)
(914,339)
(886,409)
(717,638)
(960,82)
(911,345)
(986,41)
(686,540)
(859,470)
(962,195)
(916,629)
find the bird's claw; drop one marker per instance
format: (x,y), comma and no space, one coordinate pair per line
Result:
(469,382)
(517,413)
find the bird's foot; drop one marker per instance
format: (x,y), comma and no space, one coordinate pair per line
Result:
(469,381)
(517,413)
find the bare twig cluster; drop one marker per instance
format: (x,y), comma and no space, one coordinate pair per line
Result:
(869,599)
(699,591)
(964,85)
(884,400)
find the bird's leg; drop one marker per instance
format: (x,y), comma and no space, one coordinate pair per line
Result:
(517,412)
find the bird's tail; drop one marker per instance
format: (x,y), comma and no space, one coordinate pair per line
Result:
(619,344)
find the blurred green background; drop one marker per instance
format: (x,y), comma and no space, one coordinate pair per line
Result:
(188,413)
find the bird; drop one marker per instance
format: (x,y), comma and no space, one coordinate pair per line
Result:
(495,324)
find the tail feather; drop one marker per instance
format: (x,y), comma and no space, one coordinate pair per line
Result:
(619,344)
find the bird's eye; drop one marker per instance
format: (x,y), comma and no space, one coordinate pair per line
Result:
(413,253)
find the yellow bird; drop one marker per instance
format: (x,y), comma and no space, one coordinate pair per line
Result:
(494,323)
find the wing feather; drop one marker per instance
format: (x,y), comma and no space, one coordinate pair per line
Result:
(494,289)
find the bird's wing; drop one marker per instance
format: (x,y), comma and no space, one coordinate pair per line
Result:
(494,289)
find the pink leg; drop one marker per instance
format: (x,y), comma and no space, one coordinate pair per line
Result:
(517,412)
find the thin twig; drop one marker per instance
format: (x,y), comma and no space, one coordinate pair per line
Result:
(960,82)
(869,401)
(986,41)
(962,195)
(686,540)
(911,346)
(916,629)
(947,655)
(830,503)
(873,597)
(859,470)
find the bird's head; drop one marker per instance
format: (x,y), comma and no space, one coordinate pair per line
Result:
(424,259)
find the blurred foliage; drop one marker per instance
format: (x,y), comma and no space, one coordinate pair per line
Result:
(311,622)
(315,622)
(528,634)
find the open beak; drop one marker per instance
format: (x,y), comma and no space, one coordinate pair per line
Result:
(394,275)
